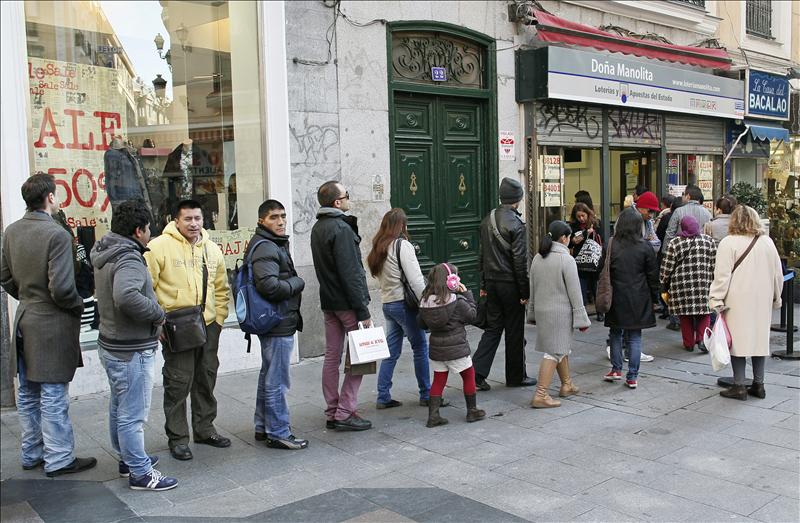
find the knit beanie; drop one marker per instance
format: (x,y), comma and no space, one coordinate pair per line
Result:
(510,191)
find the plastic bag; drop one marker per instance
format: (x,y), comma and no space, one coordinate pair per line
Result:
(718,343)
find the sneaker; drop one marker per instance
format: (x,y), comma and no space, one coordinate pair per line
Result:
(631,384)
(153,481)
(124,471)
(614,375)
(644,358)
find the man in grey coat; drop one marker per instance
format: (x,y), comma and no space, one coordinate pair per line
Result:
(36,268)
(693,206)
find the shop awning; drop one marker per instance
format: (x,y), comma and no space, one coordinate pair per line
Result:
(766,131)
(552,28)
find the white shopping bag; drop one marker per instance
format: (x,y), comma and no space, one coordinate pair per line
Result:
(367,345)
(718,342)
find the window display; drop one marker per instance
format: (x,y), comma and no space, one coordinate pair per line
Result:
(157,100)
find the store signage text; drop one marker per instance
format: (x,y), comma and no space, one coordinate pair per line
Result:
(767,95)
(593,77)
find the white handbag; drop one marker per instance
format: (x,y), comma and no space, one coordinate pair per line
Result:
(367,345)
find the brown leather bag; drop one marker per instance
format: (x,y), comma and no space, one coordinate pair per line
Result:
(602,300)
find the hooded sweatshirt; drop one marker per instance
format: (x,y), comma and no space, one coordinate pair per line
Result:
(176,267)
(129,310)
(446,322)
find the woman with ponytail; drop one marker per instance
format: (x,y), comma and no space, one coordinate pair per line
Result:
(556,305)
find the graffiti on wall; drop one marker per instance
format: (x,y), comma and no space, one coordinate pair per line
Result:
(314,142)
(629,123)
(555,117)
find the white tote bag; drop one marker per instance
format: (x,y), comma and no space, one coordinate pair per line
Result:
(367,345)
(718,342)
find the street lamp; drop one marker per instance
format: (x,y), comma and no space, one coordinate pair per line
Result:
(160,87)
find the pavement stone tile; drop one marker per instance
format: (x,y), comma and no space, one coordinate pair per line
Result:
(618,464)
(20,513)
(692,419)
(773,435)
(646,443)
(736,468)
(692,437)
(791,405)
(463,510)
(741,410)
(238,503)
(379,516)
(486,454)
(527,501)
(138,501)
(712,491)
(588,422)
(332,506)
(648,504)
(282,489)
(406,501)
(765,454)
(779,510)
(790,423)
(553,475)
(603,515)
(453,475)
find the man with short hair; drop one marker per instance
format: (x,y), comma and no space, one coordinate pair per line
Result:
(276,280)
(503,264)
(36,268)
(130,324)
(177,261)
(344,299)
(693,206)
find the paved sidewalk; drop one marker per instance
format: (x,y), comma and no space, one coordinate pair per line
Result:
(672,450)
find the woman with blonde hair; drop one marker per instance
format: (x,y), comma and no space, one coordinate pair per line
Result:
(748,280)
(392,260)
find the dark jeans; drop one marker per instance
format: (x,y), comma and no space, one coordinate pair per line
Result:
(504,313)
(588,285)
(192,372)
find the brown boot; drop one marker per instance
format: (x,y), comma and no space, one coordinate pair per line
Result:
(541,399)
(567,387)
(473,412)
(737,392)
(434,420)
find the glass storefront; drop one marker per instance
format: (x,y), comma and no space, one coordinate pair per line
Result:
(158,100)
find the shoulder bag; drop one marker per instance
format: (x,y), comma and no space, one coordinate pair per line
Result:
(604,293)
(590,254)
(185,328)
(409,296)
(496,232)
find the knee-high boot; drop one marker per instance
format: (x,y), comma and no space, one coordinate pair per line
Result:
(434,419)
(541,399)
(567,387)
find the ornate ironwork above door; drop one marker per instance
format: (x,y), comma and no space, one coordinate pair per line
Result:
(415,54)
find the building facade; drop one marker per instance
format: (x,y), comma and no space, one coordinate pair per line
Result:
(418,105)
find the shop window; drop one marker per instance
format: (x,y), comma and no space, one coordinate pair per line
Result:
(158,100)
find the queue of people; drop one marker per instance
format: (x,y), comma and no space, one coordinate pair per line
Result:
(174,291)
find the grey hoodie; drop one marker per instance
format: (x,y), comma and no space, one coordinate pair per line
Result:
(129,310)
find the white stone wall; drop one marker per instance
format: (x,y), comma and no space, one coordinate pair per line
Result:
(339,115)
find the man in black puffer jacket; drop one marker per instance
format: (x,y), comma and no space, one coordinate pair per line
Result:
(277,281)
(503,264)
(344,298)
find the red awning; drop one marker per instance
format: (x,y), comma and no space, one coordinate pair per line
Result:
(552,28)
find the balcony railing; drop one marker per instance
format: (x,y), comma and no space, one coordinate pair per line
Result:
(695,3)
(759,17)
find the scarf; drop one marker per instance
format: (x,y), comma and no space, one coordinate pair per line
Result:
(689,227)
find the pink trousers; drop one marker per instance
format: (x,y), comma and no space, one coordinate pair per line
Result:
(341,404)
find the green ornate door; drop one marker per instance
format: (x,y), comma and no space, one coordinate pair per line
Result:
(439,177)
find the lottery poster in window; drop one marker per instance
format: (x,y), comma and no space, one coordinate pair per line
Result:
(76,109)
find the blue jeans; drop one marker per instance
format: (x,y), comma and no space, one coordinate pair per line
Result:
(635,346)
(272,411)
(131,384)
(400,323)
(44,419)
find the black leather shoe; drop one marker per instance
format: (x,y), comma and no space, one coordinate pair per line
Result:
(330,424)
(737,392)
(757,390)
(77,465)
(215,440)
(702,347)
(601,316)
(34,465)
(388,405)
(480,384)
(526,382)
(261,436)
(353,423)
(290,443)
(181,452)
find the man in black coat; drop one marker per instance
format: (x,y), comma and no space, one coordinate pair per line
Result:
(503,264)
(276,280)
(344,299)
(37,269)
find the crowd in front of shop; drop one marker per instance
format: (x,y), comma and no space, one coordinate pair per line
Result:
(173,292)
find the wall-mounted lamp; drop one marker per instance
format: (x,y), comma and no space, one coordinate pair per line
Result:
(160,87)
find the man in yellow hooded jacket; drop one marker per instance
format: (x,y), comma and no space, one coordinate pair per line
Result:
(175,260)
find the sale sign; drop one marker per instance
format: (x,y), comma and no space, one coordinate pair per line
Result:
(76,109)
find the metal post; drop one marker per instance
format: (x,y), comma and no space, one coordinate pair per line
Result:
(788,301)
(788,290)
(605,179)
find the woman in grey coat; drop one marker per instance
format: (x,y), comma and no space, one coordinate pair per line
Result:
(556,304)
